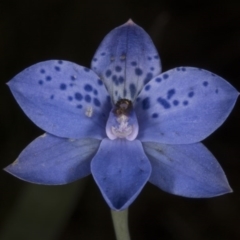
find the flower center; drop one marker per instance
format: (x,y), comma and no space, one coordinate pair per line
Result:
(122,121)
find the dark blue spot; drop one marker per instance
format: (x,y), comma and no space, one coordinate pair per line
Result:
(79,106)
(149,58)
(70,98)
(96,102)
(115,79)
(86,69)
(156,57)
(134,63)
(103,53)
(52,97)
(108,99)
(175,102)
(170,93)
(48,78)
(138,99)
(100,82)
(148,77)
(108,73)
(178,68)
(95,59)
(118,69)
(158,79)
(185,103)
(121,79)
(147,87)
(146,103)
(205,84)
(87,98)
(138,71)
(191,94)
(57,68)
(154,115)
(165,76)
(95,92)
(132,90)
(152,68)
(116,93)
(88,88)
(213,74)
(164,102)
(40,82)
(78,96)
(73,78)
(63,86)
(42,71)
(183,69)
(60,61)
(71,84)
(216,91)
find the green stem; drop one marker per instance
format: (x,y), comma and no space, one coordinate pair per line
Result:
(120,223)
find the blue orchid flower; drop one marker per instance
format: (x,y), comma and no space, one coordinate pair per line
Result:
(123,121)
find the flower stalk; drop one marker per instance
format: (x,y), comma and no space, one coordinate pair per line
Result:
(120,223)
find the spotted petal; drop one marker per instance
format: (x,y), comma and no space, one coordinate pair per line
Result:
(63,98)
(188,170)
(126,60)
(53,160)
(183,105)
(121,169)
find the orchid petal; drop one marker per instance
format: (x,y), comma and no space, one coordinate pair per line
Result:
(63,98)
(183,105)
(126,60)
(188,170)
(120,169)
(52,160)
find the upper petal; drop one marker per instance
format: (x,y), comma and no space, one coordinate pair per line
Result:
(63,98)
(121,169)
(183,105)
(126,60)
(52,160)
(188,170)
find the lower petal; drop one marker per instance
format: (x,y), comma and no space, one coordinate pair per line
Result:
(121,169)
(52,160)
(187,170)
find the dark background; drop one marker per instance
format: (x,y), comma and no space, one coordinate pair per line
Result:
(203,34)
